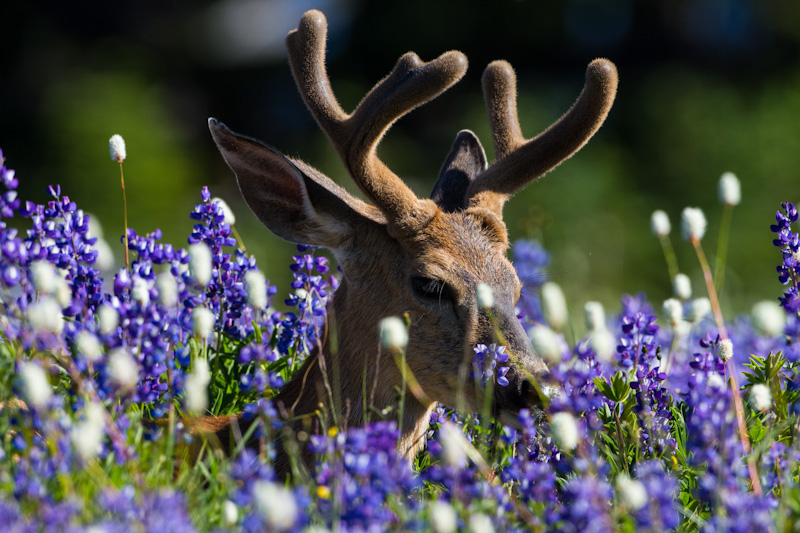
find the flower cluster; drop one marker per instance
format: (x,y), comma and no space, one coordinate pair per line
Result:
(485,364)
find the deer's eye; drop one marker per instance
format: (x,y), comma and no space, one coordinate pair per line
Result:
(430,289)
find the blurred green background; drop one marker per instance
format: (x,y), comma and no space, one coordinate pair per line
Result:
(706,86)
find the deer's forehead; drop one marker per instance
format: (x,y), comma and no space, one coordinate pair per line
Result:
(460,243)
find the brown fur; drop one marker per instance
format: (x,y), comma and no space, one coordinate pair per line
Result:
(457,239)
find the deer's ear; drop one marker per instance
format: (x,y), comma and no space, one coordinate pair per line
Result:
(465,161)
(295,201)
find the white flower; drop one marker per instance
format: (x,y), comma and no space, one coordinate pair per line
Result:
(603,343)
(105,257)
(682,287)
(167,289)
(195,387)
(659,223)
(301,294)
(88,345)
(725,349)
(730,192)
(140,292)
(761,397)
(454,445)
(673,312)
(203,322)
(275,504)
(565,430)
(200,263)
(87,436)
(554,305)
(116,146)
(632,493)
(485,296)
(715,381)
(769,318)
(443,517)
(122,369)
(699,309)
(545,343)
(45,315)
(595,316)
(226,210)
(394,335)
(693,223)
(256,286)
(231,512)
(480,523)
(44,276)
(63,294)
(108,319)
(36,387)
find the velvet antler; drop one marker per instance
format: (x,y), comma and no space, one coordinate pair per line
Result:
(518,160)
(355,136)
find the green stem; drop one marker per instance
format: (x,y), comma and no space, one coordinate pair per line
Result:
(722,247)
(125,215)
(669,256)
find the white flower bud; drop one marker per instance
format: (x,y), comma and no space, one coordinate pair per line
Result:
(554,305)
(108,319)
(301,294)
(87,435)
(122,369)
(454,445)
(167,289)
(632,493)
(565,430)
(659,223)
(725,349)
(140,292)
(256,286)
(761,397)
(275,504)
(715,381)
(203,322)
(769,318)
(116,146)
(45,316)
(394,335)
(595,316)
(231,512)
(105,256)
(545,343)
(443,517)
(485,296)
(673,311)
(699,309)
(88,345)
(226,210)
(604,344)
(36,388)
(730,192)
(682,287)
(693,223)
(200,263)
(44,276)
(195,387)
(480,523)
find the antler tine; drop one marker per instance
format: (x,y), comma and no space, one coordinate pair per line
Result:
(356,136)
(518,160)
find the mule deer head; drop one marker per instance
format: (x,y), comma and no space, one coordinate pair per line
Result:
(404,254)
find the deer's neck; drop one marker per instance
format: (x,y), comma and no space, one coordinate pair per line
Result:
(352,380)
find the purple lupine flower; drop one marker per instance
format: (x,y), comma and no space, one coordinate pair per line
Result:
(530,261)
(485,364)
(789,243)
(660,512)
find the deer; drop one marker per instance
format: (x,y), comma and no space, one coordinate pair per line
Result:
(402,255)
